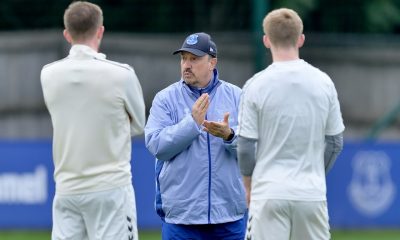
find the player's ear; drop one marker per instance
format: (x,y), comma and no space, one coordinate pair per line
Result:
(67,36)
(266,41)
(213,63)
(300,41)
(100,32)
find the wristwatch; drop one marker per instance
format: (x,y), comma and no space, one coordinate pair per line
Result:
(230,135)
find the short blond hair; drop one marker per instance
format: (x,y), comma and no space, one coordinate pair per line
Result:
(283,27)
(82,19)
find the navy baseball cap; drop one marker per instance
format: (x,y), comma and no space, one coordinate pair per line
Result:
(198,44)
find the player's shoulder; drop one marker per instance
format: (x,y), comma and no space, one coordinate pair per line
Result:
(255,79)
(55,63)
(118,65)
(318,72)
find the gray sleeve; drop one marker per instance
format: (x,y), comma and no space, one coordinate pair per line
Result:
(333,146)
(246,151)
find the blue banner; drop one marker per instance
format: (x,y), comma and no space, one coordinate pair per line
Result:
(27,185)
(363,186)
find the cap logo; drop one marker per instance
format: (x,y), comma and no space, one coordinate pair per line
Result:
(192,39)
(211,49)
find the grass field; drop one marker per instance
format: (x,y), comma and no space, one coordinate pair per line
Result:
(154,235)
(45,235)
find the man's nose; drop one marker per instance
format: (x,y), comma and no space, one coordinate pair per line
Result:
(186,64)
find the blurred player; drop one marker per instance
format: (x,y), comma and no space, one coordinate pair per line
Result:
(96,105)
(190,130)
(288,112)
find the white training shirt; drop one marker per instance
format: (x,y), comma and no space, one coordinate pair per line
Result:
(95,105)
(289,108)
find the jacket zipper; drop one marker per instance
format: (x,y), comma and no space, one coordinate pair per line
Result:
(209,172)
(209,176)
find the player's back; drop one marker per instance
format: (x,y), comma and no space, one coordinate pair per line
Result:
(84,94)
(294,105)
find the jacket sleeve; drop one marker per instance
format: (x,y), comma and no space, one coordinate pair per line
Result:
(134,104)
(231,145)
(164,137)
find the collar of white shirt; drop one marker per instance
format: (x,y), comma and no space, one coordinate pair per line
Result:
(79,50)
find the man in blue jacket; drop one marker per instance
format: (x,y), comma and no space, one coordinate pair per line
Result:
(191,132)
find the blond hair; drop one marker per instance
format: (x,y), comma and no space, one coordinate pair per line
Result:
(82,19)
(283,27)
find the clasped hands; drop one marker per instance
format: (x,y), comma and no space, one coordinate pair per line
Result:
(218,129)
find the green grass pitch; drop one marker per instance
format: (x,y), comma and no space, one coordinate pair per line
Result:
(46,235)
(155,235)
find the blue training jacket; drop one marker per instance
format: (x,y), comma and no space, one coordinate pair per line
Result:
(197,175)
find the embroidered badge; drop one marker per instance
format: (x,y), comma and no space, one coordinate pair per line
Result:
(192,39)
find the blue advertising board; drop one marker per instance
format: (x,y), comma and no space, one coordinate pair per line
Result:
(363,186)
(27,185)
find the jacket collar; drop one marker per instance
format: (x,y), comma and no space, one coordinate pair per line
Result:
(207,89)
(82,51)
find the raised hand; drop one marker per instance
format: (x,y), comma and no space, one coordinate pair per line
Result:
(199,108)
(218,129)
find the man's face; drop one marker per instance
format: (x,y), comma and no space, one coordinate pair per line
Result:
(197,71)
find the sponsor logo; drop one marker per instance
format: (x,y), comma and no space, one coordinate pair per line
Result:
(24,188)
(371,189)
